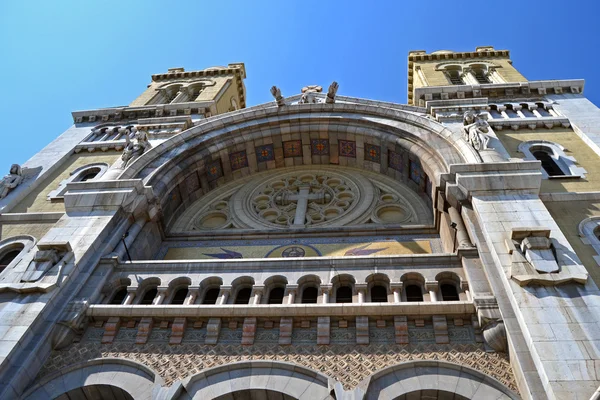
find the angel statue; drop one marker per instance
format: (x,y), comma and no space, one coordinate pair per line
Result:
(11,181)
(475,130)
(137,148)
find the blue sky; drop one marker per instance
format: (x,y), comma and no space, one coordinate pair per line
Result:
(61,56)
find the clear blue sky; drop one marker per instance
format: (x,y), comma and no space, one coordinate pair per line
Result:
(61,56)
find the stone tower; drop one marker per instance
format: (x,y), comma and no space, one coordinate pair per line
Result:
(314,247)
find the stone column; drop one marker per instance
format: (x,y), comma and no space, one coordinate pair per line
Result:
(325,291)
(130,296)
(224,295)
(462,236)
(193,293)
(291,294)
(362,292)
(397,290)
(432,288)
(257,295)
(468,77)
(161,295)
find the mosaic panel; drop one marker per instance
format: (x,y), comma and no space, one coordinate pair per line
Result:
(231,336)
(342,335)
(304,336)
(265,153)
(238,160)
(192,183)
(347,148)
(292,148)
(461,334)
(264,335)
(383,334)
(214,170)
(126,335)
(395,161)
(415,172)
(349,364)
(159,335)
(422,334)
(319,147)
(193,335)
(372,153)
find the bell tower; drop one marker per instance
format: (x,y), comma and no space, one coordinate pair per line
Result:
(442,68)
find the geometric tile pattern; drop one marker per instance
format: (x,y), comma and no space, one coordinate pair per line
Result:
(372,153)
(292,148)
(347,148)
(214,170)
(395,160)
(319,147)
(415,172)
(265,153)
(349,364)
(238,160)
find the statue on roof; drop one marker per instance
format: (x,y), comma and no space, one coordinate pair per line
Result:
(11,181)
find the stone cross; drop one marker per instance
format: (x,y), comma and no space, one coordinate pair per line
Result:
(302,199)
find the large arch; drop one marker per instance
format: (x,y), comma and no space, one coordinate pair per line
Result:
(431,380)
(135,379)
(168,164)
(287,380)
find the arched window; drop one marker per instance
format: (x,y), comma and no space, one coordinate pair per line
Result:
(276,295)
(211,296)
(413,293)
(343,294)
(9,256)
(309,295)
(180,296)
(243,296)
(82,174)
(119,296)
(548,163)
(480,74)
(454,76)
(90,174)
(149,296)
(449,292)
(555,163)
(379,294)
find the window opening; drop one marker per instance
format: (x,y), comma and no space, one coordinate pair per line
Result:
(276,295)
(180,296)
(413,293)
(8,258)
(149,296)
(379,294)
(343,295)
(548,163)
(211,296)
(119,297)
(449,292)
(309,295)
(243,296)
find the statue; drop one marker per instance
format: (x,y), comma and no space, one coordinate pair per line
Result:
(475,129)
(333,88)
(135,149)
(276,92)
(308,94)
(11,181)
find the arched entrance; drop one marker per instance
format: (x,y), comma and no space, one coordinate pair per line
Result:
(98,379)
(432,380)
(95,392)
(255,395)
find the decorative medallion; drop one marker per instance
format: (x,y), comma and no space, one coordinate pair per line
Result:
(292,148)
(347,148)
(238,160)
(265,153)
(293,251)
(415,172)
(395,161)
(214,170)
(372,153)
(319,147)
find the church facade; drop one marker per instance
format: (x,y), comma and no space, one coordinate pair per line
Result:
(319,246)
